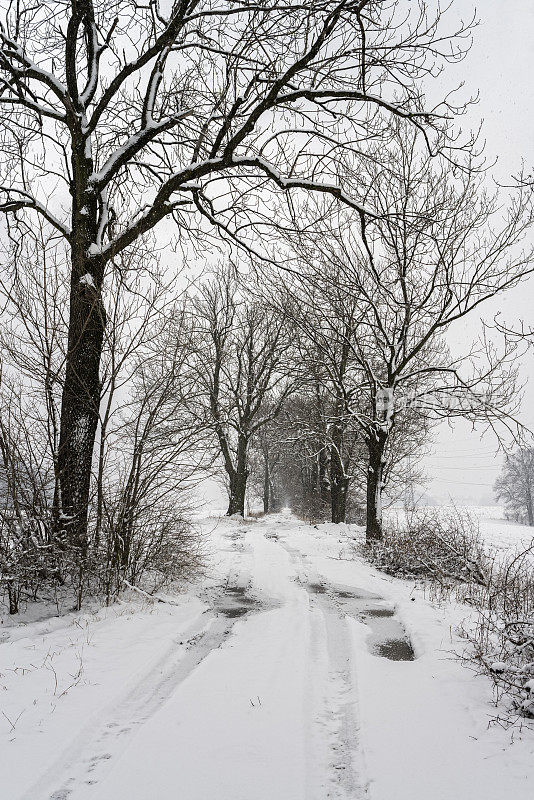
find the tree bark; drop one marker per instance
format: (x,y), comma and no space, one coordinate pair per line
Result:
(12,594)
(376,444)
(80,405)
(238,488)
(81,390)
(266,485)
(339,499)
(238,480)
(339,482)
(323,483)
(274,501)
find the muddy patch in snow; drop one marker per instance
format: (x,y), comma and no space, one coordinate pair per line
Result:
(388,638)
(379,612)
(316,588)
(354,593)
(237,591)
(395,650)
(234,602)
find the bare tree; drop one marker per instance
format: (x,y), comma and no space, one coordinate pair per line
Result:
(337,350)
(116,117)
(264,459)
(515,485)
(241,350)
(327,325)
(148,446)
(154,456)
(295,455)
(31,354)
(439,248)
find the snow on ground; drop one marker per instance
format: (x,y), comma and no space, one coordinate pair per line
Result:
(267,680)
(503,537)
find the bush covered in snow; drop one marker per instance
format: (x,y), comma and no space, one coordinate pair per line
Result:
(502,638)
(443,546)
(444,549)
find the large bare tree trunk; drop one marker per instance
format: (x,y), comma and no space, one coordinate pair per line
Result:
(238,480)
(81,391)
(377,445)
(338,496)
(79,409)
(339,482)
(266,485)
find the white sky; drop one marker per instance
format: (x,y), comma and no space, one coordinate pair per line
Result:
(500,66)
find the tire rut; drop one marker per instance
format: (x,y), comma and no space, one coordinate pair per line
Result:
(94,750)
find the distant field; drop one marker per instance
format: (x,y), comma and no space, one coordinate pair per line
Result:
(500,534)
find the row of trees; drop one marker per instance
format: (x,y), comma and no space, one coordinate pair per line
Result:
(305,383)
(369,371)
(291,144)
(115,118)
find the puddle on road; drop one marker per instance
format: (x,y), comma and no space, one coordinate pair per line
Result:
(231,612)
(395,650)
(379,612)
(355,593)
(388,638)
(234,602)
(239,591)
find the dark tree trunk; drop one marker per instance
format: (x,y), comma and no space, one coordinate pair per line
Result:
(339,482)
(80,403)
(266,486)
(324,483)
(238,480)
(238,488)
(274,502)
(339,499)
(13,597)
(377,445)
(81,390)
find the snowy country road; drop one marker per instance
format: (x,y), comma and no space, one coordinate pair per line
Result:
(292,671)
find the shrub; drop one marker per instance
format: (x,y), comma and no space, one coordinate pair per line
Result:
(501,642)
(444,549)
(439,545)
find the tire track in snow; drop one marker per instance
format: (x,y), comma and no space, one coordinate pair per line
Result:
(92,752)
(334,704)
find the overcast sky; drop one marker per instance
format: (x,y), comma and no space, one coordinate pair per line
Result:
(500,66)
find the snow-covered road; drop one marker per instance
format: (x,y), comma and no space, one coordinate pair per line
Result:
(292,671)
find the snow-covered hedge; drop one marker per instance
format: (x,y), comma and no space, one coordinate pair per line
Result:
(502,638)
(443,546)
